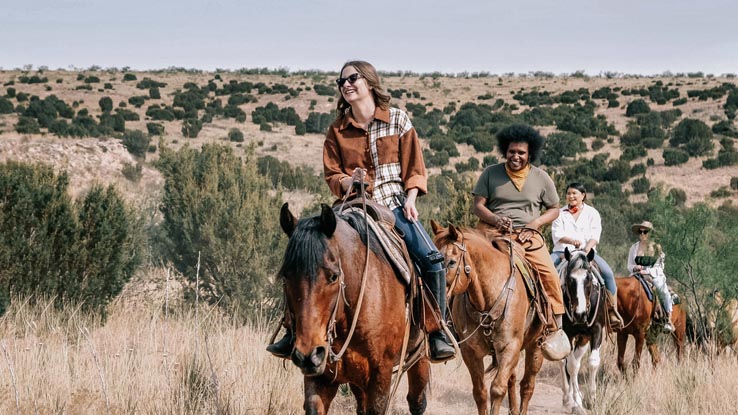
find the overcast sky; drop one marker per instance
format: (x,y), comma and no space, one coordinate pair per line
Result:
(628,36)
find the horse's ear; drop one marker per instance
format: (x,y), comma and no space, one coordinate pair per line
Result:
(453,232)
(286,220)
(436,227)
(327,220)
(567,254)
(591,255)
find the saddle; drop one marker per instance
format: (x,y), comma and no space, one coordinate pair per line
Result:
(381,222)
(659,313)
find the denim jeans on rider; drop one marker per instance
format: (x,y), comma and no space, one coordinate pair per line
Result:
(605,269)
(417,246)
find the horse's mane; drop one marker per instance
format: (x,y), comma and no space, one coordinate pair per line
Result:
(308,243)
(472,234)
(578,261)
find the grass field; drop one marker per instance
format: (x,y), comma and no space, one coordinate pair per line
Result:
(152,355)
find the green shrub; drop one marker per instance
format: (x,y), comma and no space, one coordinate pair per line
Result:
(721,192)
(80,253)
(127,114)
(324,90)
(106,104)
(154,128)
(318,122)
(235,135)
(27,125)
(637,106)
(692,135)
(6,107)
(147,83)
(489,160)
(677,196)
(471,165)
(219,211)
(11,92)
(191,127)
(734,183)
(136,142)
(300,128)
(129,77)
(675,156)
(154,93)
(641,185)
(132,172)
(597,144)
(560,145)
(435,158)
(137,101)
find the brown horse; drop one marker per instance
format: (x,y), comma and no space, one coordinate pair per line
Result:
(637,312)
(492,315)
(349,309)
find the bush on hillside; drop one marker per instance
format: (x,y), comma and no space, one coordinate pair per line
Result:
(219,210)
(80,253)
(675,156)
(154,128)
(235,135)
(136,142)
(637,106)
(694,136)
(106,104)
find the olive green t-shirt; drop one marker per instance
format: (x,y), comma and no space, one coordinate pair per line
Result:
(539,193)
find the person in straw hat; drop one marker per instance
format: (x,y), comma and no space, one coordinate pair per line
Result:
(646,257)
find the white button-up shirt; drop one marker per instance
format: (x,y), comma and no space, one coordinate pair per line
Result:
(587,226)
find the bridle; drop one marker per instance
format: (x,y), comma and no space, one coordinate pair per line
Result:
(589,322)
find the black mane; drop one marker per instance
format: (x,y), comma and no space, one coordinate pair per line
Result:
(308,243)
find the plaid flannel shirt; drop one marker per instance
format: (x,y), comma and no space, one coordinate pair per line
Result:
(389,150)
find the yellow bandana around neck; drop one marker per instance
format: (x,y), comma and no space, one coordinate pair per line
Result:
(518,177)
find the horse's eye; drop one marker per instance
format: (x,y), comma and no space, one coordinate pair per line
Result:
(333,277)
(452,263)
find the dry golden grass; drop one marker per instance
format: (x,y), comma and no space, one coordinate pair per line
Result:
(142,360)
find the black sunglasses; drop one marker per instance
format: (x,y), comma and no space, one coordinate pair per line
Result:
(642,231)
(351,79)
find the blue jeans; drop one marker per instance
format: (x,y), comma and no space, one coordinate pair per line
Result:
(417,246)
(605,269)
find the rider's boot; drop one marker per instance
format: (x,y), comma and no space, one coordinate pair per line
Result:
(616,321)
(668,327)
(556,346)
(439,346)
(283,347)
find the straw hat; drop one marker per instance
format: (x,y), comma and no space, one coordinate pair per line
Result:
(645,224)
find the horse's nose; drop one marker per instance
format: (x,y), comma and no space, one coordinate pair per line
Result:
(313,363)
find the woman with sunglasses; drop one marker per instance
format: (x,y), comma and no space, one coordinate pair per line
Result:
(377,144)
(646,257)
(579,226)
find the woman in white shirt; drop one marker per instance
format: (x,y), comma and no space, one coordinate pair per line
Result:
(579,226)
(646,257)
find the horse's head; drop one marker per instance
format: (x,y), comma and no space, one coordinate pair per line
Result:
(579,284)
(450,242)
(312,277)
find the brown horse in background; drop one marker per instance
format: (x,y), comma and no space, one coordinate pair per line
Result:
(637,312)
(493,315)
(324,281)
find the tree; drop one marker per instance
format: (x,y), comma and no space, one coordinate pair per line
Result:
(136,142)
(692,135)
(637,106)
(106,104)
(218,208)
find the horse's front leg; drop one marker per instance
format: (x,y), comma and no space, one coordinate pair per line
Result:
(573,365)
(378,389)
(507,359)
(594,361)
(533,363)
(318,396)
(475,365)
(622,345)
(639,341)
(360,397)
(417,380)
